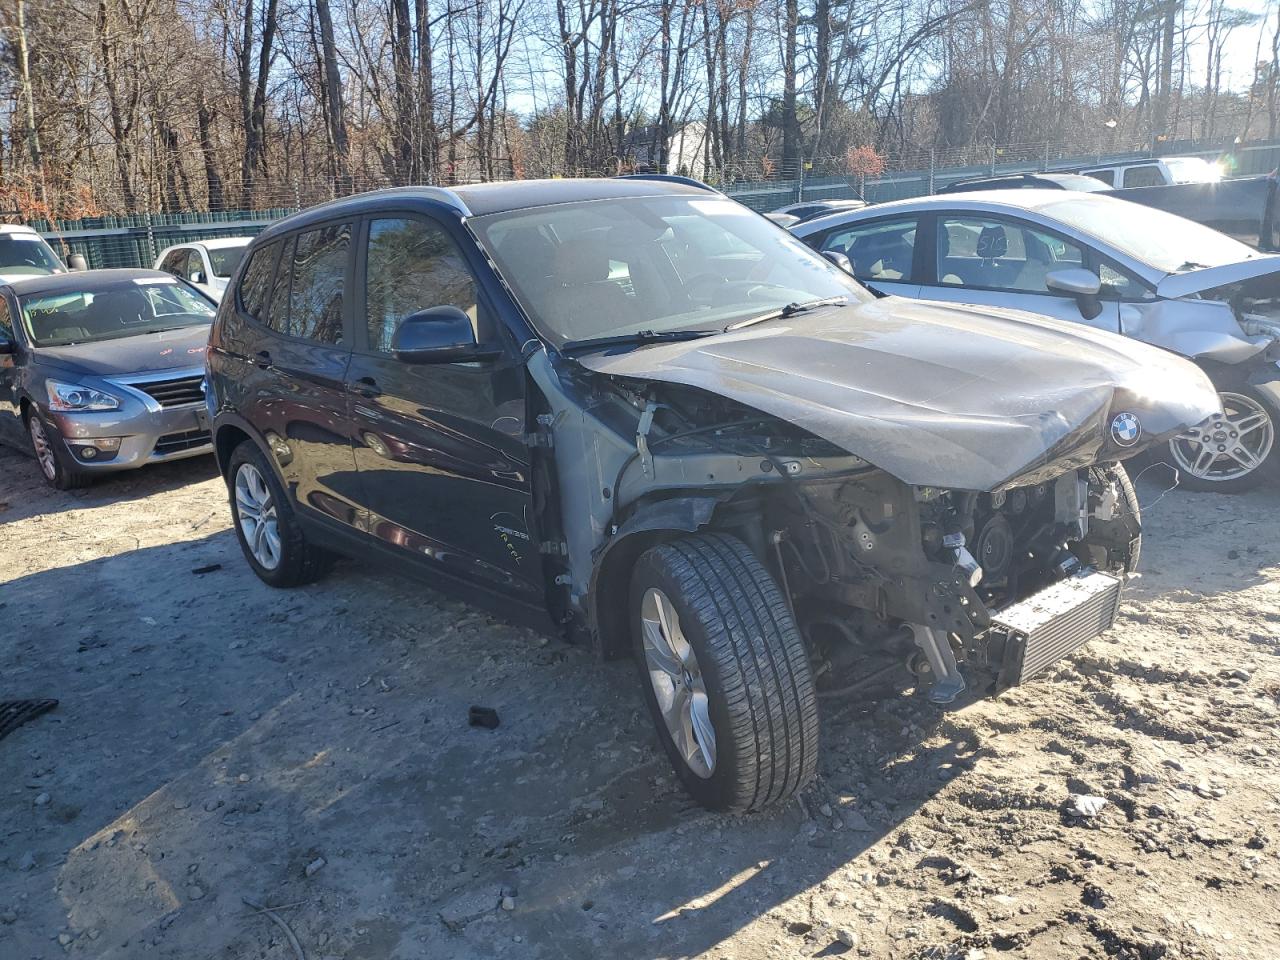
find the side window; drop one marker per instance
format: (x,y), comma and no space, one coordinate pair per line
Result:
(6,324)
(255,282)
(1106,176)
(1144,176)
(997,255)
(318,275)
(879,250)
(195,267)
(1116,284)
(173,262)
(413,265)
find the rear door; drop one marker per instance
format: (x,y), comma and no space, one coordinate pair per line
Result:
(293,344)
(1003,262)
(443,463)
(882,252)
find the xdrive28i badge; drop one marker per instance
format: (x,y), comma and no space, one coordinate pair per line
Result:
(1126,429)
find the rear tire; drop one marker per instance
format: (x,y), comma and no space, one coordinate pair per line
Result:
(54,459)
(268,530)
(744,672)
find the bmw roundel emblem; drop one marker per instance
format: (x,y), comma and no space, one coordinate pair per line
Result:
(1126,429)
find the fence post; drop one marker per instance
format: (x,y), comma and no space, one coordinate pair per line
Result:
(151,240)
(933,168)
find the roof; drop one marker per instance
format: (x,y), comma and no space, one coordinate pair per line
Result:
(16,228)
(974,201)
(1138,161)
(1027,181)
(220,243)
(483,199)
(82,279)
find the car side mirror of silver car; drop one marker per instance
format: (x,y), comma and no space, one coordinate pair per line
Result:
(839,259)
(1080,283)
(438,335)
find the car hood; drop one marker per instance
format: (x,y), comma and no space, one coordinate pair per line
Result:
(957,397)
(1208,278)
(141,354)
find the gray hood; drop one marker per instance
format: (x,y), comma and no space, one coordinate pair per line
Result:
(958,397)
(140,354)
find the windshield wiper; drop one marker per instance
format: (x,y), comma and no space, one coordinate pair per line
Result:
(632,339)
(790,310)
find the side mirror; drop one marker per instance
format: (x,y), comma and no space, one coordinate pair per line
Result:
(437,335)
(77,262)
(1079,283)
(839,259)
(6,345)
(197,277)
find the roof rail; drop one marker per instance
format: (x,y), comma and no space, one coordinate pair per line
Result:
(667,178)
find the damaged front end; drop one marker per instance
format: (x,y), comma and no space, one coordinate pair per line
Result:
(966,588)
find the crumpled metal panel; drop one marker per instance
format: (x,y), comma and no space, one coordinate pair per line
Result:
(960,397)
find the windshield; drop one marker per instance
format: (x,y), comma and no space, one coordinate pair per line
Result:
(224,260)
(1192,170)
(27,254)
(607,268)
(111,311)
(1166,242)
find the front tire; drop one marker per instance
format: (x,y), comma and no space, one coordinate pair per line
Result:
(53,457)
(268,530)
(725,673)
(1232,453)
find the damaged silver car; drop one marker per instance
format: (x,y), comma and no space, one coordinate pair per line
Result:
(642,410)
(1107,263)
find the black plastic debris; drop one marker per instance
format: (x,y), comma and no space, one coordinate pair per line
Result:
(483,717)
(14,713)
(199,571)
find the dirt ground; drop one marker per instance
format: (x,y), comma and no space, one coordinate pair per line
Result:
(218,742)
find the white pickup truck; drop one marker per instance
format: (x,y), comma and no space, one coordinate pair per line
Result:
(1157,172)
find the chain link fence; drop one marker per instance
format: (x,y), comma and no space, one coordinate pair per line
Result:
(137,240)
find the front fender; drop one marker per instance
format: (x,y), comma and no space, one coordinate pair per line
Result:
(1266,380)
(610,591)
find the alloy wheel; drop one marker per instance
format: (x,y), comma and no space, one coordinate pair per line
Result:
(43,448)
(677,683)
(1227,447)
(256,514)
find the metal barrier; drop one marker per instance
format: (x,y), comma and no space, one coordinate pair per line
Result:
(136,241)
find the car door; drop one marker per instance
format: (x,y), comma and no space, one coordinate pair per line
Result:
(292,336)
(440,447)
(1003,262)
(882,252)
(10,411)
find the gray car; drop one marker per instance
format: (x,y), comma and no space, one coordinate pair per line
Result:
(103,370)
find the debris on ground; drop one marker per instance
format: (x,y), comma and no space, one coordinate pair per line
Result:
(483,717)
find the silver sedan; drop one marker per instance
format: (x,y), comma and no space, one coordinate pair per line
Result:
(1104,262)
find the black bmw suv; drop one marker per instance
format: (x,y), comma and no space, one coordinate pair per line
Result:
(639,413)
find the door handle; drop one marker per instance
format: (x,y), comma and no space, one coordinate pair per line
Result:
(366,387)
(263,360)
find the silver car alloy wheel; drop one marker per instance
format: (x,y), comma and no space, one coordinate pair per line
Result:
(43,447)
(677,683)
(1227,447)
(256,514)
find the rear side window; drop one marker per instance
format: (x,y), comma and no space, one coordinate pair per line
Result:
(1106,176)
(1148,176)
(318,269)
(413,265)
(255,284)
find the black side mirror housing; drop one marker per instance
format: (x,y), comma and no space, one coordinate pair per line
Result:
(77,262)
(438,335)
(6,345)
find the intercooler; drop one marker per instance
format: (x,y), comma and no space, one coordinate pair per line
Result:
(1048,625)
